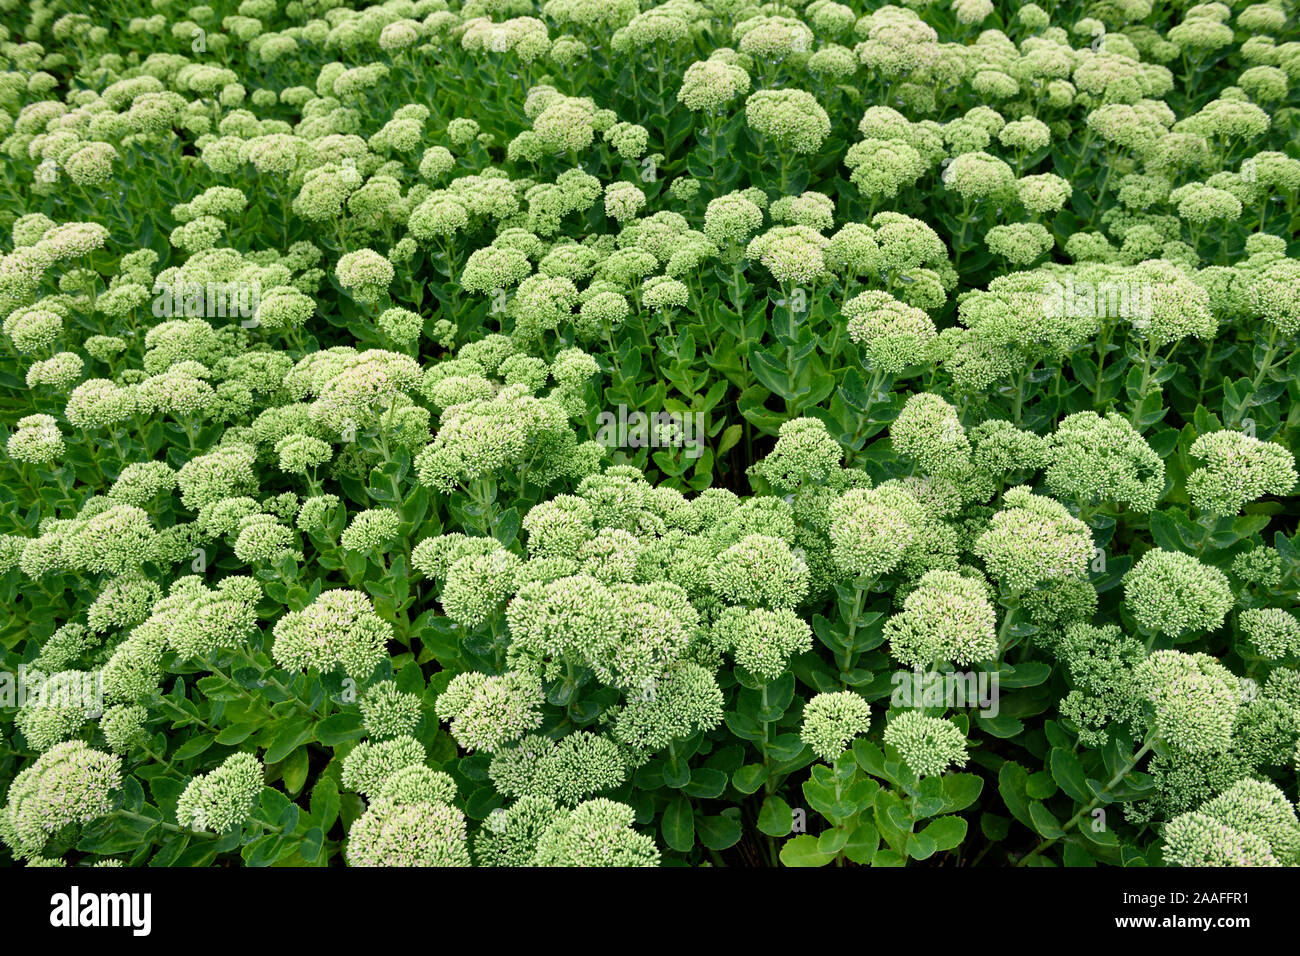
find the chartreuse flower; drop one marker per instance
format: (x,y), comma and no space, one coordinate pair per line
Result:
(222,798)
(832,720)
(1252,823)
(69,783)
(1173,593)
(534,433)
(928,745)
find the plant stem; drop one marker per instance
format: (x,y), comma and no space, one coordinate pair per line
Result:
(169,827)
(859,595)
(1114,781)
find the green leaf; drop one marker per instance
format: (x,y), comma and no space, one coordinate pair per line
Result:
(272,803)
(296,731)
(193,747)
(678,825)
(1069,775)
(676,773)
(921,846)
(1044,820)
(729,438)
(482,802)
(1012,783)
(719,832)
(1003,726)
(749,778)
(294,772)
(133,794)
(994,827)
(946,832)
(833,840)
(216,688)
(771,372)
(263,852)
(325,803)
(166,792)
(871,759)
(1025,674)
(706,783)
(862,843)
(170,851)
(236,733)
(507,527)
(804,851)
(311,844)
(960,790)
(339,728)
(1103,837)
(775,818)
(119,834)
(1040,786)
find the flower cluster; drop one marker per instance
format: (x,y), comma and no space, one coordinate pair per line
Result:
(542,432)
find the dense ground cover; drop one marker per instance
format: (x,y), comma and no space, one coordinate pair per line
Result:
(600,433)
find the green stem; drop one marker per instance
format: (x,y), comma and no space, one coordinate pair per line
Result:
(1102,341)
(1147,355)
(859,598)
(1266,366)
(1007,620)
(769,784)
(266,678)
(163,824)
(1105,791)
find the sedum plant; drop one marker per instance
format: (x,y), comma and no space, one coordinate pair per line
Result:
(588,433)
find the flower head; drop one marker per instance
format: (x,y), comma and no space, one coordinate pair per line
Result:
(832,720)
(793,118)
(947,618)
(1194,697)
(596,833)
(1173,593)
(339,629)
(69,783)
(929,745)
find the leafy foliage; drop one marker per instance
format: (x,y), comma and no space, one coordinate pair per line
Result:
(599,432)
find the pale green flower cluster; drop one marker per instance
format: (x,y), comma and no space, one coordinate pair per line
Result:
(69,783)
(1238,469)
(315,315)
(1173,593)
(388,711)
(1273,632)
(894,334)
(1034,540)
(832,720)
(337,630)
(792,118)
(222,799)
(1195,699)
(370,765)
(928,745)
(947,618)
(1252,823)
(489,712)
(1095,459)
(596,833)
(565,771)
(409,828)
